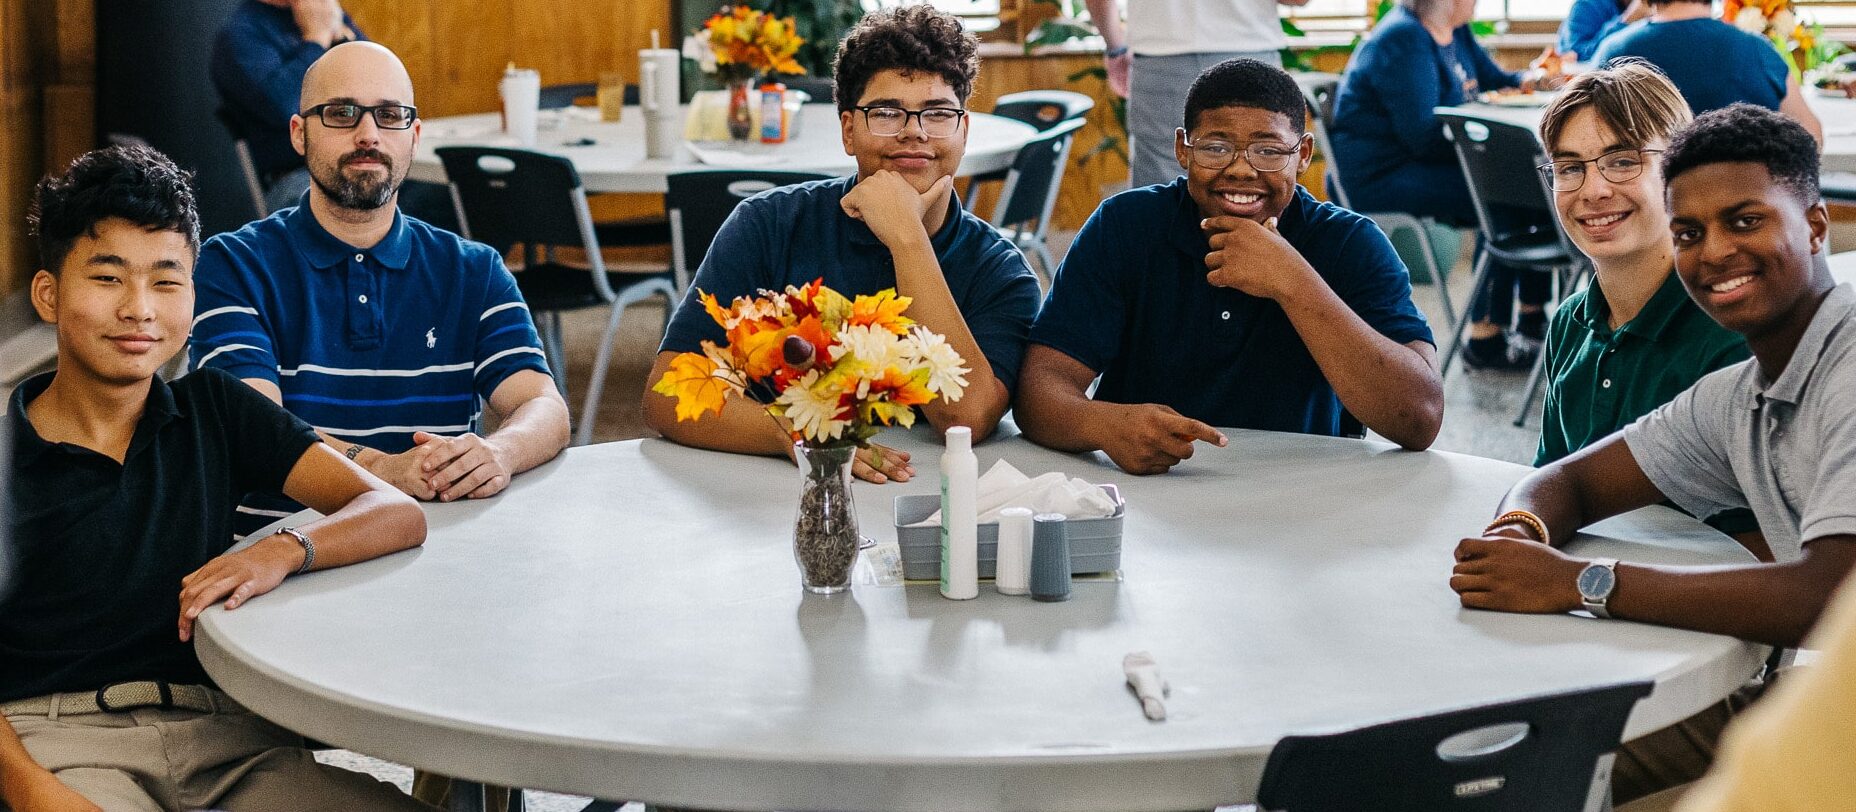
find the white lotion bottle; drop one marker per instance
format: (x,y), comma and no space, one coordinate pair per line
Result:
(960,543)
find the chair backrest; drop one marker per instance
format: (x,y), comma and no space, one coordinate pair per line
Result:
(1533,755)
(1030,190)
(247,167)
(818,87)
(1043,109)
(1501,162)
(554,97)
(509,196)
(697,203)
(1320,97)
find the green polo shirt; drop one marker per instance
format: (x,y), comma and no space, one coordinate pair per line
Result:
(1600,380)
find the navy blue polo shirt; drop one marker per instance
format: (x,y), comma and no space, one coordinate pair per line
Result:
(795,234)
(368,345)
(1131,302)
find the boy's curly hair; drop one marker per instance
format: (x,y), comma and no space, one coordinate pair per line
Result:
(911,39)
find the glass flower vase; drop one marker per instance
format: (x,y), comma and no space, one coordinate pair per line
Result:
(740,108)
(825,535)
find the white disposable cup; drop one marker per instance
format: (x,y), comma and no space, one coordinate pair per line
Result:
(659,96)
(521,91)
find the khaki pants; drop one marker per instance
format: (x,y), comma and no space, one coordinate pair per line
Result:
(154,760)
(1678,754)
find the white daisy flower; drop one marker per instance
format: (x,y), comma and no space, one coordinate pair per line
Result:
(947,371)
(813,414)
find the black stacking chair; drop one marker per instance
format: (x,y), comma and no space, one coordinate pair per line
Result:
(1320,98)
(1514,210)
(1548,754)
(507,197)
(1030,192)
(1042,109)
(631,232)
(698,202)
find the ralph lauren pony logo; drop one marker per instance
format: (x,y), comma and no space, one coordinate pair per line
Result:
(431,338)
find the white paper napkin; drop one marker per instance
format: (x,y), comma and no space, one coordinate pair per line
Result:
(730,158)
(1003,486)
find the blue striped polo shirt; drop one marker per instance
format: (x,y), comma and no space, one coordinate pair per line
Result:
(368,345)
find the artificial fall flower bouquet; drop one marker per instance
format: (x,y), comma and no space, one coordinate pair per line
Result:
(740,42)
(834,369)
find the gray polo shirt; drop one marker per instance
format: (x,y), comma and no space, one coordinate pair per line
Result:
(1785,448)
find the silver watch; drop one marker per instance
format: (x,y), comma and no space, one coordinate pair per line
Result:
(1596,583)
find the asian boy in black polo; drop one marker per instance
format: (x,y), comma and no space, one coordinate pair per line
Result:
(120,491)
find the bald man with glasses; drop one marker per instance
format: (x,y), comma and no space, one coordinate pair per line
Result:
(389,335)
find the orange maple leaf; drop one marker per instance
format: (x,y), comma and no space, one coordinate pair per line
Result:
(881,310)
(691,380)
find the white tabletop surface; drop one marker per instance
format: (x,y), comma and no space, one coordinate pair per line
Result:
(615,161)
(1838,115)
(627,622)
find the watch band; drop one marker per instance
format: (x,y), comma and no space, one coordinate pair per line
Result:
(1115,52)
(309,547)
(1598,606)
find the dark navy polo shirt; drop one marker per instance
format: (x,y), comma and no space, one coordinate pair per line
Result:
(102,546)
(1131,302)
(795,234)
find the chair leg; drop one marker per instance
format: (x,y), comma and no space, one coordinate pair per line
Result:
(597,385)
(1533,388)
(1477,280)
(560,352)
(467,796)
(517,803)
(1439,274)
(1046,261)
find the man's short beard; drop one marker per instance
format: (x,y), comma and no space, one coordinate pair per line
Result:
(361,194)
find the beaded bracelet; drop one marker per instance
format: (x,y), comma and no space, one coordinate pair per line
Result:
(1522,517)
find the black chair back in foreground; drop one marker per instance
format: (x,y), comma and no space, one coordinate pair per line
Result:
(1532,755)
(507,197)
(698,203)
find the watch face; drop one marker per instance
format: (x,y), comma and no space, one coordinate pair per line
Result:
(1595,582)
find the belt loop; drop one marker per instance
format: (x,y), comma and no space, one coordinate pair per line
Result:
(57,700)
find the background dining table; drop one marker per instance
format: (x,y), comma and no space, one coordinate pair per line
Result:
(610,156)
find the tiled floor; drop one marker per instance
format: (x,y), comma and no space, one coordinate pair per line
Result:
(1478,414)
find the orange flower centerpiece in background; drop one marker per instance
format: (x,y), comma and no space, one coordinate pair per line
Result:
(739,42)
(1799,41)
(833,371)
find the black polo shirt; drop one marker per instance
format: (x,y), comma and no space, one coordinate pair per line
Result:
(101,548)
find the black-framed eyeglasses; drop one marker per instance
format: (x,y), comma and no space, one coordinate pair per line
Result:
(1618,166)
(343,116)
(1263,156)
(937,122)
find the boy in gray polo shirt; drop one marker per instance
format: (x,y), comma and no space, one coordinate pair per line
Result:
(1776,433)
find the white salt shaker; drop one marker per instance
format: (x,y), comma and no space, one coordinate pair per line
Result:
(1012,561)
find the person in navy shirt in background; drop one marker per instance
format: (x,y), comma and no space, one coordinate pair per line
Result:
(1306,310)
(383,332)
(1714,64)
(1392,156)
(257,66)
(1590,21)
(903,78)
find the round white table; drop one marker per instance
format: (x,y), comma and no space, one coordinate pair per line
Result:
(627,622)
(1838,116)
(610,156)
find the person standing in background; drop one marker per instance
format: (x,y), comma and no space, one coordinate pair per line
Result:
(1162,51)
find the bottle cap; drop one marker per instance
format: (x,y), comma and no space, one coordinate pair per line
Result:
(959,438)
